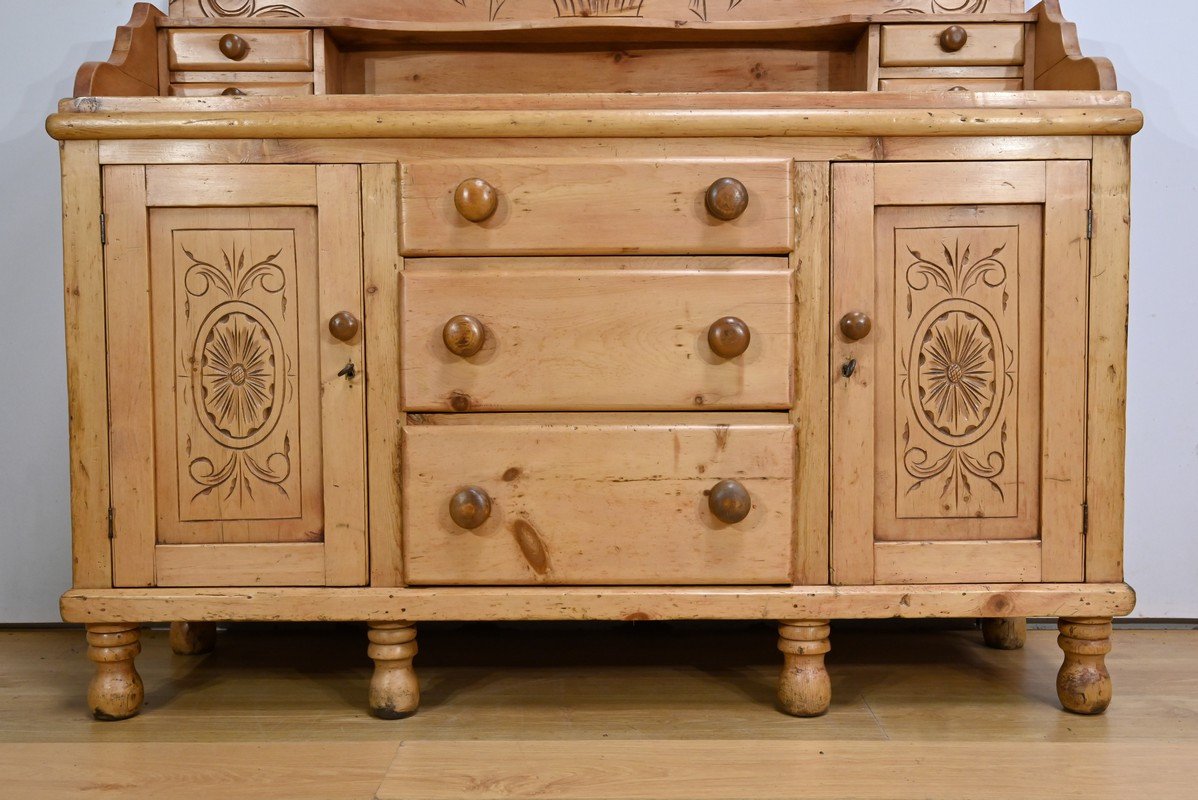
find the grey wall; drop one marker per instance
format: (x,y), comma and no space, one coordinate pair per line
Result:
(37,68)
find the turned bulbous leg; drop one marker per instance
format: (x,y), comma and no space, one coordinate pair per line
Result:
(115,691)
(193,638)
(1083,684)
(804,690)
(1005,634)
(394,690)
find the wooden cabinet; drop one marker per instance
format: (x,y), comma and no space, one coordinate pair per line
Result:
(238,420)
(399,312)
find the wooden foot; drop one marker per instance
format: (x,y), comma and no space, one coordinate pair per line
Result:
(193,638)
(1083,684)
(115,691)
(1005,634)
(804,689)
(394,690)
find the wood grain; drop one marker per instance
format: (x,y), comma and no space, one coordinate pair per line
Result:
(241,185)
(919,45)
(284,564)
(954,562)
(270,51)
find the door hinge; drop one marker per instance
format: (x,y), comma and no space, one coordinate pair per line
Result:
(1085,519)
(103,229)
(1089,223)
(111,523)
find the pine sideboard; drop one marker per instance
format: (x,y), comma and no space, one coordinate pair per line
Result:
(794,310)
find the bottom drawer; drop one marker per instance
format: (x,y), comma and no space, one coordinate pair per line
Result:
(597,499)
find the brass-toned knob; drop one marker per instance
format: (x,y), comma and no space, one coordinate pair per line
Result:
(232,91)
(953,38)
(233,47)
(470,507)
(344,326)
(464,335)
(729,501)
(856,325)
(475,199)
(727,199)
(728,337)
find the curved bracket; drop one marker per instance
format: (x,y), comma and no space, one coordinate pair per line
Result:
(1059,60)
(132,69)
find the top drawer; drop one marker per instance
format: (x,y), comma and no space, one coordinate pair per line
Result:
(529,207)
(952,45)
(240,50)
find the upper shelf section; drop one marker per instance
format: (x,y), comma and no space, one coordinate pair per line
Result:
(247,48)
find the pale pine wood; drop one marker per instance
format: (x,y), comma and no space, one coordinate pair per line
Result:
(811,263)
(1059,61)
(87,389)
(966,184)
(595,334)
(804,688)
(193,638)
(950,84)
(919,45)
(241,185)
(342,400)
(957,562)
(1107,395)
(595,207)
(596,501)
(115,691)
(381,264)
(612,603)
(1083,683)
(269,50)
(130,384)
(1005,634)
(394,688)
(132,68)
(851,413)
(277,564)
(197,89)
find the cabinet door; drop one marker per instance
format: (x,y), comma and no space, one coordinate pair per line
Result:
(958,409)
(237,437)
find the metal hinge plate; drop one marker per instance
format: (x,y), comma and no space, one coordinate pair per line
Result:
(111,523)
(1089,223)
(103,229)
(1085,519)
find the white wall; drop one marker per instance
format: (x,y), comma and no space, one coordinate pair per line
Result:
(37,68)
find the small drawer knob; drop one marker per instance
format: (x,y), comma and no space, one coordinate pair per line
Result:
(856,325)
(476,200)
(727,199)
(728,337)
(464,335)
(953,38)
(730,502)
(232,91)
(233,47)
(470,507)
(344,326)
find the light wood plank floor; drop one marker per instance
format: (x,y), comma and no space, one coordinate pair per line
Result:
(648,711)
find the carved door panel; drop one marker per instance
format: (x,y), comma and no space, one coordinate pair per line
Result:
(958,409)
(238,449)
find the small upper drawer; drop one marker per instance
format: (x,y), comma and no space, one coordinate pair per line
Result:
(241,50)
(950,84)
(586,333)
(600,499)
(719,206)
(943,45)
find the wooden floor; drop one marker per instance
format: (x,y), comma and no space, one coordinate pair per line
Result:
(648,711)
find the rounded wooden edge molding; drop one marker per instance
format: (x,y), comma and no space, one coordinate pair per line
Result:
(729,502)
(729,337)
(602,123)
(344,326)
(470,507)
(464,335)
(233,47)
(953,38)
(855,325)
(475,199)
(727,199)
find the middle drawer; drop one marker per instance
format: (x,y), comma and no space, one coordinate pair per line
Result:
(581,334)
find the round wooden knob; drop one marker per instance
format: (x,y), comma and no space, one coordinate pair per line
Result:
(344,326)
(232,91)
(856,325)
(729,501)
(470,507)
(464,335)
(727,199)
(233,47)
(953,38)
(476,200)
(728,337)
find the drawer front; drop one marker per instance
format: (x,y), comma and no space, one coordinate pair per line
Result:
(951,84)
(597,500)
(246,88)
(264,50)
(578,337)
(922,45)
(585,207)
